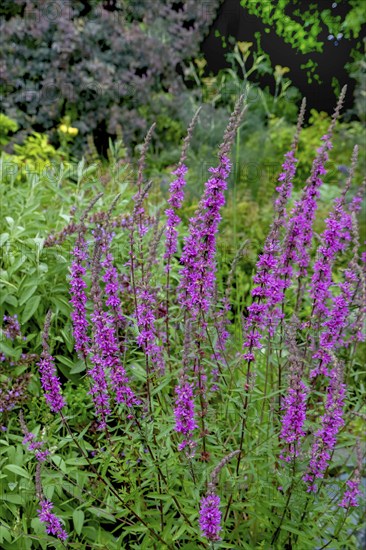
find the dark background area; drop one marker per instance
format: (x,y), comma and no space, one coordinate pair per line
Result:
(234,20)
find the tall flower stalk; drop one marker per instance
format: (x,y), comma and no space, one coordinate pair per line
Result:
(326,437)
(197,280)
(50,381)
(268,282)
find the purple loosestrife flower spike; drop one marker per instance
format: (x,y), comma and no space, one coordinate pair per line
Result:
(146,322)
(31,443)
(268,291)
(176,196)
(12,326)
(184,413)
(78,296)
(350,497)
(351,494)
(326,437)
(78,286)
(110,278)
(210,517)
(173,220)
(333,328)
(100,318)
(333,240)
(185,422)
(52,522)
(49,379)
(300,226)
(198,274)
(198,257)
(294,406)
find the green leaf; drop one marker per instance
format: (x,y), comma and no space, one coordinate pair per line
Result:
(102,513)
(78,519)
(30,308)
(8,350)
(3,238)
(79,367)
(28,292)
(17,470)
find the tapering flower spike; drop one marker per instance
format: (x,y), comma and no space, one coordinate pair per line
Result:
(197,282)
(300,227)
(210,515)
(78,285)
(293,419)
(51,521)
(176,196)
(325,438)
(335,238)
(268,289)
(47,369)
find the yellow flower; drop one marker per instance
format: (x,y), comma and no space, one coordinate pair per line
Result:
(201,63)
(73,131)
(68,130)
(244,47)
(280,71)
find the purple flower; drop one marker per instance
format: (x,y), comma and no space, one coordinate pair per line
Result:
(333,328)
(210,517)
(78,296)
(294,418)
(334,240)
(326,437)
(268,292)
(50,382)
(300,226)
(110,278)
(52,522)
(146,322)
(184,412)
(99,387)
(175,200)
(350,497)
(12,326)
(49,379)
(198,275)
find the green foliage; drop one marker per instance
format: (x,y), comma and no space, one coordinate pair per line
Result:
(7,125)
(150,493)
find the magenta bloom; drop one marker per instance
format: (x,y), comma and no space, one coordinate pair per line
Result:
(175,200)
(52,522)
(78,296)
(210,517)
(50,382)
(268,292)
(146,322)
(110,278)
(326,437)
(36,446)
(12,326)
(333,328)
(184,413)
(294,418)
(198,275)
(334,239)
(350,497)
(99,387)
